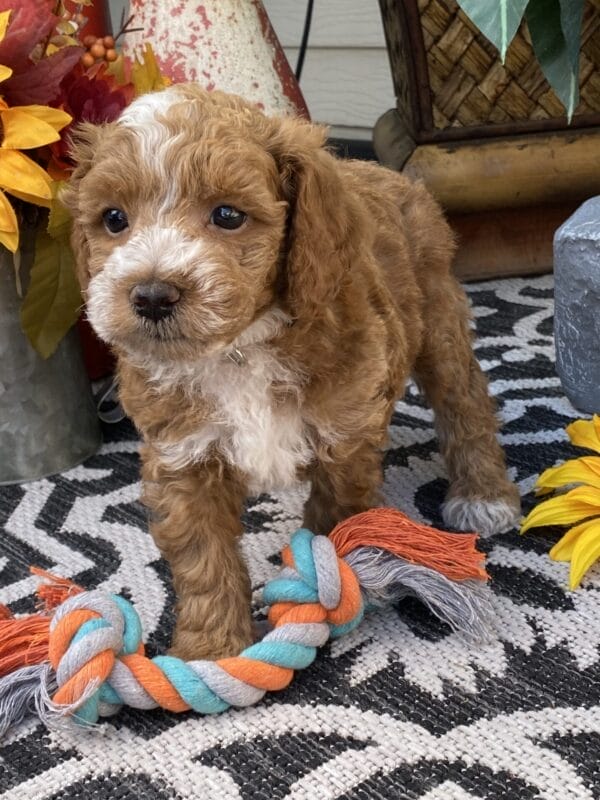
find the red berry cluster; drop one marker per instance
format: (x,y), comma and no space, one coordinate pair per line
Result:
(102,47)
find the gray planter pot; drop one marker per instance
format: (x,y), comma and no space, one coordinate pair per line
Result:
(48,421)
(577,306)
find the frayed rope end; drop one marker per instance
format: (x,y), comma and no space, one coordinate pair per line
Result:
(26,678)
(454,555)
(24,641)
(394,557)
(28,692)
(385,578)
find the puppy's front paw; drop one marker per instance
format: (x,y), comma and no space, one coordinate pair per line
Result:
(200,646)
(485,517)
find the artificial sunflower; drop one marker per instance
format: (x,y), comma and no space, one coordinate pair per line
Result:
(581,544)
(23,128)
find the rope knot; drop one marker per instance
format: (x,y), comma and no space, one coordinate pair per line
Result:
(316,581)
(89,632)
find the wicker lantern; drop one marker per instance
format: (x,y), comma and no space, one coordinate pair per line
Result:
(490,140)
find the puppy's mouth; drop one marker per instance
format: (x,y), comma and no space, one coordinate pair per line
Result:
(156,306)
(165,341)
(161,331)
(155,320)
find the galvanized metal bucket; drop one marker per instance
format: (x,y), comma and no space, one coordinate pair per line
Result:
(577,306)
(48,420)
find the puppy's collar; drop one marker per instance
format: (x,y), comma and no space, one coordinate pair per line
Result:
(262,330)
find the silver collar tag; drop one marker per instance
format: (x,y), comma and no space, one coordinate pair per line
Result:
(236,356)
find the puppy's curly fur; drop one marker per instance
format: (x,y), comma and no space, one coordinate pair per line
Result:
(287,340)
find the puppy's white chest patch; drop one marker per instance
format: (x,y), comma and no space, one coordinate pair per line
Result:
(264,437)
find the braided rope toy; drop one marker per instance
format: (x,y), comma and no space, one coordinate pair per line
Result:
(83,656)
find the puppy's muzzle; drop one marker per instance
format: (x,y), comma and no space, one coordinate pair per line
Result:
(154,301)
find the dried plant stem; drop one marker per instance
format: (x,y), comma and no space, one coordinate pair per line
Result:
(124,26)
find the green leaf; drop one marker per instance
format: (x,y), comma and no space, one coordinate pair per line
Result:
(544,19)
(571,13)
(498,20)
(145,72)
(59,219)
(53,300)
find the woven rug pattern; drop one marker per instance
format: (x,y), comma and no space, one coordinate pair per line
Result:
(401,708)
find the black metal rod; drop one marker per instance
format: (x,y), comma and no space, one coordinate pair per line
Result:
(304,41)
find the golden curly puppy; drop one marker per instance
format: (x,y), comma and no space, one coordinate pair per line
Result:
(267,303)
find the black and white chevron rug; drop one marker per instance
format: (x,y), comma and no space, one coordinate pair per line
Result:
(401,708)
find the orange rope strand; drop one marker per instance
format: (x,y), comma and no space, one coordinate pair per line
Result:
(453,554)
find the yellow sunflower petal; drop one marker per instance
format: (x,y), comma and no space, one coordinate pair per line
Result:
(564,509)
(586,494)
(54,117)
(9,227)
(592,463)
(585,433)
(5,72)
(585,553)
(23,132)
(4,18)
(9,240)
(563,549)
(31,198)
(578,470)
(18,173)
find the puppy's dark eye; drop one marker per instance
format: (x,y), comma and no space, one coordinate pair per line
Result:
(115,220)
(227,217)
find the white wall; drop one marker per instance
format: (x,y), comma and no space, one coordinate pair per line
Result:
(115,8)
(346,78)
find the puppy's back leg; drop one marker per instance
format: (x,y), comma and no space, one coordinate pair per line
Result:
(480,496)
(346,484)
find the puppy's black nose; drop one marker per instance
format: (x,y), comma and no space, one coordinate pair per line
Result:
(154,301)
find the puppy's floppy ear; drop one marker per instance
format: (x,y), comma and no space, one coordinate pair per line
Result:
(325,228)
(84,141)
